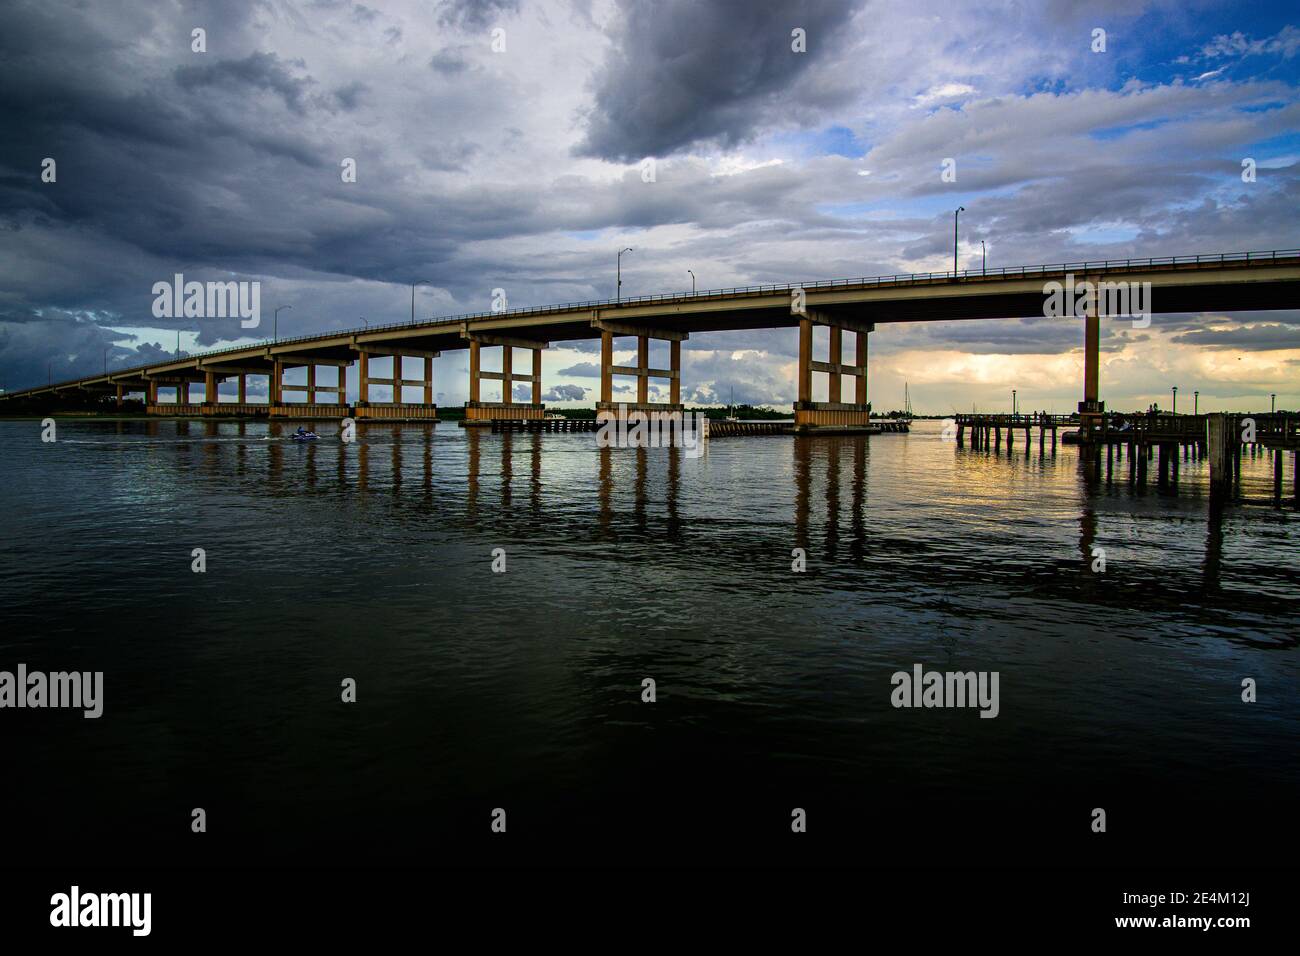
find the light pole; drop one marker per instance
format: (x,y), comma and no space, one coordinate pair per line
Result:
(1175,410)
(984,259)
(413,285)
(275,322)
(955,215)
(106,360)
(1196,403)
(178,343)
(1013,401)
(364,323)
(1272,402)
(692,282)
(618,266)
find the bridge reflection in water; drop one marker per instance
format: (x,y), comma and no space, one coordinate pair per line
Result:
(847,498)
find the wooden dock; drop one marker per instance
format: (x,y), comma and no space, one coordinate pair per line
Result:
(1158,437)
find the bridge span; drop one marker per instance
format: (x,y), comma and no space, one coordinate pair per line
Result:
(1252,281)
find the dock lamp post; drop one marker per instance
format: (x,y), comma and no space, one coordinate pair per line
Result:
(413,285)
(1196,403)
(1175,410)
(955,215)
(618,266)
(692,282)
(275,322)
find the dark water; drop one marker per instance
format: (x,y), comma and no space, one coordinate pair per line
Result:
(522,690)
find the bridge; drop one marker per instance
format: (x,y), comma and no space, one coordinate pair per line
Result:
(1250,281)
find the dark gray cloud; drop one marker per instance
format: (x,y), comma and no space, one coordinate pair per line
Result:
(1255,338)
(582,370)
(682,72)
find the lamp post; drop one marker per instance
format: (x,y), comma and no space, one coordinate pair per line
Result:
(413,285)
(984,259)
(1013,401)
(275,325)
(618,266)
(1272,402)
(955,215)
(692,282)
(1175,410)
(1196,403)
(364,323)
(106,360)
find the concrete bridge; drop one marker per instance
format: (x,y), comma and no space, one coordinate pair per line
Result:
(1220,282)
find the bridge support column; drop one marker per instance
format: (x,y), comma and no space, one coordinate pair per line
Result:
(210,397)
(395,409)
(243,389)
(641,370)
(311,384)
(121,394)
(833,415)
(1091,408)
(481,413)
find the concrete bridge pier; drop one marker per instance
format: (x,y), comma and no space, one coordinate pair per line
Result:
(1091,408)
(395,408)
(312,407)
(832,415)
(641,370)
(479,412)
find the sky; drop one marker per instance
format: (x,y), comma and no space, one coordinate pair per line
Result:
(509,144)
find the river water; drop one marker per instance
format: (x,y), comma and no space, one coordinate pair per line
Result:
(1119,689)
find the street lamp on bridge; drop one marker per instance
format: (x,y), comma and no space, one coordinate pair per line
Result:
(1196,403)
(1272,401)
(955,215)
(618,266)
(1175,409)
(275,325)
(413,285)
(692,282)
(984,259)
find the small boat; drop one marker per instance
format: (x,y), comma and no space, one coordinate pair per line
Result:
(304,436)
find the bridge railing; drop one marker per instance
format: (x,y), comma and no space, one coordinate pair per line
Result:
(1005,272)
(1033,419)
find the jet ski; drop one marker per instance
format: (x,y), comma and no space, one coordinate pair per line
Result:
(303,435)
